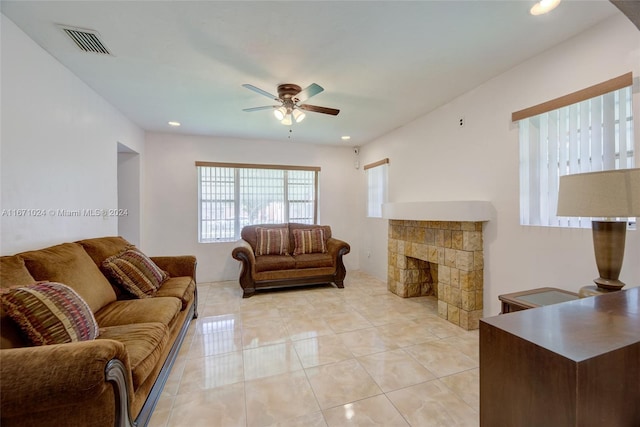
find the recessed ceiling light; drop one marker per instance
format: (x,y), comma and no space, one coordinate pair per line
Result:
(175,124)
(345,138)
(544,6)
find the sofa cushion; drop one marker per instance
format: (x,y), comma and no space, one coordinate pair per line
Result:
(182,288)
(274,262)
(309,241)
(135,272)
(68,263)
(13,273)
(272,241)
(249,234)
(101,248)
(314,260)
(148,310)
(145,343)
(50,313)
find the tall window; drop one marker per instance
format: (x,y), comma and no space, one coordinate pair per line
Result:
(376,187)
(586,134)
(231,196)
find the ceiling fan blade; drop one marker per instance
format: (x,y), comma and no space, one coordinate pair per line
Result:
(266,107)
(317,109)
(260,91)
(309,91)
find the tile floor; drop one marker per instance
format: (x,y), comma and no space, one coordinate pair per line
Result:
(322,356)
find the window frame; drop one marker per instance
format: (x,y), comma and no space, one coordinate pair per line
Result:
(237,182)
(381,191)
(578,146)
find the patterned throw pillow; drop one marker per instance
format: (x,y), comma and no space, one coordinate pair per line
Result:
(272,241)
(135,272)
(309,241)
(50,313)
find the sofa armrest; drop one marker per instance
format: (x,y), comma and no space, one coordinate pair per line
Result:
(43,378)
(177,266)
(337,247)
(243,252)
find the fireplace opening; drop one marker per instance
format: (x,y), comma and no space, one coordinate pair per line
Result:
(421,278)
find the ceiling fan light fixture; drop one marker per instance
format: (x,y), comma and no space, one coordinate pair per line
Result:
(298,115)
(280,113)
(286,120)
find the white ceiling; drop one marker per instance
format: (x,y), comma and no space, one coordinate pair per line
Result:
(382,63)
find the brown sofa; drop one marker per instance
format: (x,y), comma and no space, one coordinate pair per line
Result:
(108,381)
(289,269)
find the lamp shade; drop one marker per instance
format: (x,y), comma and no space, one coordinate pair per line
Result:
(613,193)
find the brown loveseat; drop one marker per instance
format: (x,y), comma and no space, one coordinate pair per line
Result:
(266,264)
(108,381)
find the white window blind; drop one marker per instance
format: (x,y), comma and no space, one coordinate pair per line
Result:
(376,187)
(592,135)
(232,196)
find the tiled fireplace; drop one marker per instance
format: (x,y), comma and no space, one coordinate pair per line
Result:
(436,248)
(441,258)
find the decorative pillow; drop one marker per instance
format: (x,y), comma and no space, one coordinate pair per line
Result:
(272,241)
(135,272)
(309,241)
(50,313)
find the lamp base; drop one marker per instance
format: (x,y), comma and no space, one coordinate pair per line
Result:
(591,291)
(608,245)
(609,284)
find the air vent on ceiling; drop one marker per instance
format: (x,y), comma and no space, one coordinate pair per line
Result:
(86,40)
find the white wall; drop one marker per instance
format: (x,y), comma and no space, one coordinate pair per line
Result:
(433,159)
(58,148)
(170,224)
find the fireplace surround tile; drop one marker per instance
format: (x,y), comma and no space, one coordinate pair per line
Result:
(440,258)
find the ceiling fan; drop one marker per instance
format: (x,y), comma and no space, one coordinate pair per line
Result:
(290,97)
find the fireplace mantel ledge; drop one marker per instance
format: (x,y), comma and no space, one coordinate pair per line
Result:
(464,210)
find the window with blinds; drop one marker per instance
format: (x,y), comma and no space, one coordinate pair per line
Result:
(231,196)
(376,187)
(591,135)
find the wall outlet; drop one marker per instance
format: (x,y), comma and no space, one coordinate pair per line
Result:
(461,122)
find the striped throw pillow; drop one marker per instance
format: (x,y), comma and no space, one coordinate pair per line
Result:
(309,241)
(50,313)
(135,272)
(272,241)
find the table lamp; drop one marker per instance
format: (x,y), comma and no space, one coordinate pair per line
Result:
(608,195)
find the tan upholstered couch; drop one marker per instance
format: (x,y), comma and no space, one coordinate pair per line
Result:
(113,379)
(290,269)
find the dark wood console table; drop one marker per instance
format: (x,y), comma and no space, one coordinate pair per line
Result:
(575,363)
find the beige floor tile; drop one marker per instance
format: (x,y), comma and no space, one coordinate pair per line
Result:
(219,407)
(441,358)
(432,404)
(305,327)
(210,372)
(374,411)
(216,343)
(279,398)
(279,358)
(406,333)
(268,332)
(347,321)
(366,341)
(395,369)
(321,351)
(466,385)
(310,420)
(341,383)
(270,360)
